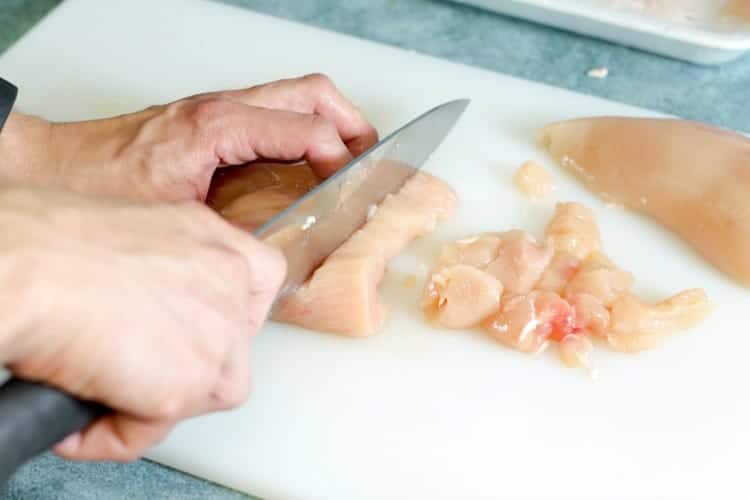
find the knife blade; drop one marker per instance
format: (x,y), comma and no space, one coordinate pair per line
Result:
(34,416)
(330,213)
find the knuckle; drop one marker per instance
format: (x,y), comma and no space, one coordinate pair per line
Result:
(319,81)
(231,393)
(205,111)
(323,128)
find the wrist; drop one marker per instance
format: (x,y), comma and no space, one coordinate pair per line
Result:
(24,142)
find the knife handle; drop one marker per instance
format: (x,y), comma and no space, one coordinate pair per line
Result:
(33,418)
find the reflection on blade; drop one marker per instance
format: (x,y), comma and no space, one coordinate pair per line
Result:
(314,226)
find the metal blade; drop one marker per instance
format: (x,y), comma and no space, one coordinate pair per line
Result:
(314,226)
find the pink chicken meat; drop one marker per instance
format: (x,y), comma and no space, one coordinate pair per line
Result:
(342,295)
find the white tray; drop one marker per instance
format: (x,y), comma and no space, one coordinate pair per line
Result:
(707,40)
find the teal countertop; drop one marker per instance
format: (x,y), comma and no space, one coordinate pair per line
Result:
(717,95)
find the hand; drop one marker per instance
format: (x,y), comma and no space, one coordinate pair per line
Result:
(170,152)
(146,308)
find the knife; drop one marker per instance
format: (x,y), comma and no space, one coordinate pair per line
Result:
(34,416)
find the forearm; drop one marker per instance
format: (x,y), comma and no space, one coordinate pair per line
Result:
(25,143)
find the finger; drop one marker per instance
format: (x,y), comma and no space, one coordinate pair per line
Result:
(232,388)
(266,271)
(241,134)
(117,437)
(317,94)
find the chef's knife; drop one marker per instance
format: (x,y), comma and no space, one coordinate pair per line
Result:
(34,417)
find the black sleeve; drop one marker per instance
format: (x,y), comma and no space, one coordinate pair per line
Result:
(8,93)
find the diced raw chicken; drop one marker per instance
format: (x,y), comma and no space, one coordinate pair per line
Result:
(566,297)
(461,296)
(559,272)
(520,261)
(249,196)
(533,180)
(598,277)
(513,257)
(692,178)
(528,322)
(635,326)
(572,229)
(591,315)
(575,351)
(341,296)
(477,251)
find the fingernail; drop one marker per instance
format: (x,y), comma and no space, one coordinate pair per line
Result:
(70,444)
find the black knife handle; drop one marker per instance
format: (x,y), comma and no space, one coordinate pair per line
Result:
(33,418)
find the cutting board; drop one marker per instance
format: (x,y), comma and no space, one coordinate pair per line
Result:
(414,412)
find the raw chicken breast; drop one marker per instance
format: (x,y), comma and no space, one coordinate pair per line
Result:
(461,296)
(692,178)
(342,294)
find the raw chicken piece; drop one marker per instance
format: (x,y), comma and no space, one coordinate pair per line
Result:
(573,230)
(591,316)
(249,196)
(528,322)
(635,326)
(692,178)
(575,351)
(559,272)
(513,257)
(520,261)
(341,296)
(477,251)
(533,180)
(461,296)
(598,277)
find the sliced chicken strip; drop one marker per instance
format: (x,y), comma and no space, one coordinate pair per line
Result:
(635,326)
(341,296)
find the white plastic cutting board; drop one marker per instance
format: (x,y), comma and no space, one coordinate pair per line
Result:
(415,413)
